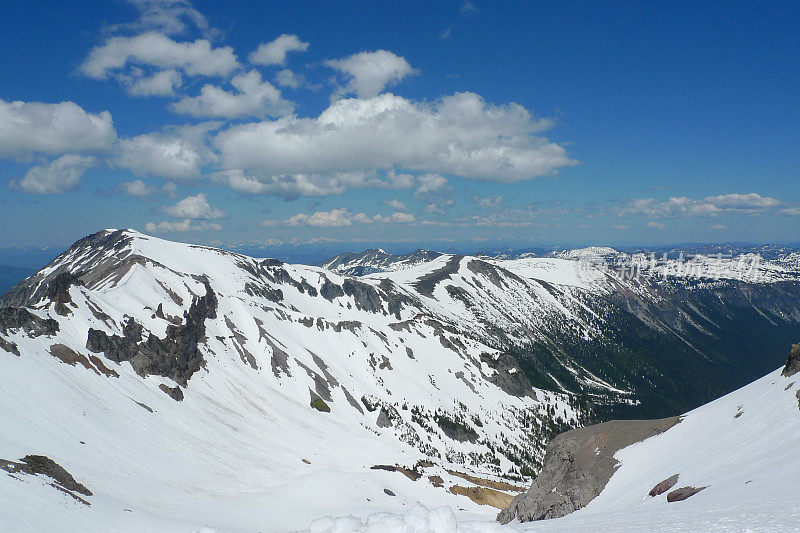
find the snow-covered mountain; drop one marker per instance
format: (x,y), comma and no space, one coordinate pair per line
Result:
(181,386)
(730,465)
(376,260)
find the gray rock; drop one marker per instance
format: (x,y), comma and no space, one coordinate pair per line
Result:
(177,356)
(664,486)
(793,363)
(174,392)
(577,466)
(383,419)
(682,493)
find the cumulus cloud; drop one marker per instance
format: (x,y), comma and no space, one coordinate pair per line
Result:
(656,225)
(136,188)
(274,53)
(254,98)
(62,175)
(433,187)
(343,217)
(194,207)
(460,135)
(791,211)
(165,16)
(33,127)
(288,78)
(710,206)
(396,204)
(181,227)
(154,49)
(489,202)
(162,83)
(369,73)
(176,157)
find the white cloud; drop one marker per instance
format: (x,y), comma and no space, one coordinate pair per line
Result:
(656,225)
(396,204)
(791,211)
(742,201)
(181,227)
(165,16)
(274,53)
(33,127)
(710,206)
(370,72)
(194,207)
(460,135)
(432,187)
(490,202)
(719,226)
(136,188)
(255,98)
(332,218)
(157,50)
(343,217)
(62,175)
(170,189)
(169,156)
(161,83)
(468,7)
(287,78)
(397,218)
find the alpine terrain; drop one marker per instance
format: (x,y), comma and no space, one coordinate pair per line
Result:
(153,385)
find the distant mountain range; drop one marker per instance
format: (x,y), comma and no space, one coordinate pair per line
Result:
(176,373)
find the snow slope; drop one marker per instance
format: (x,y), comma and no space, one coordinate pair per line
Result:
(749,463)
(403,366)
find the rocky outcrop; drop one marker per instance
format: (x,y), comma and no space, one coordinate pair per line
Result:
(682,493)
(41,465)
(577,466)
(177,356)
(664,486)
(16,318)
(793,363)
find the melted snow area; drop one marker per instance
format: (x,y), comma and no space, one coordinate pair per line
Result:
(402,361)
(742,448)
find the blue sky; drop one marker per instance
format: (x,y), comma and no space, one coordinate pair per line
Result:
(450,123)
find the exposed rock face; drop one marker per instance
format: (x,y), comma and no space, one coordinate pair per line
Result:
(682,493)
(176,356)
(174,392)
(577,466)
(664,486)
(40,464)
(793,363)
(16,318)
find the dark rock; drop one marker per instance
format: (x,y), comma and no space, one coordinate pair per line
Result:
(366,296)
(40,464)
(58,291)
(174,392)
(455,429)
(177,356)
(330,290)
(682,493)
(427,283)
(664,486)
(9,346)
(383,419)
(319,404)
(390,493)
(793,363)
(17,318)
(577,466)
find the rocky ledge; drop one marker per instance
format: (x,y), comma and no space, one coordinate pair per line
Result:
(577,466)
